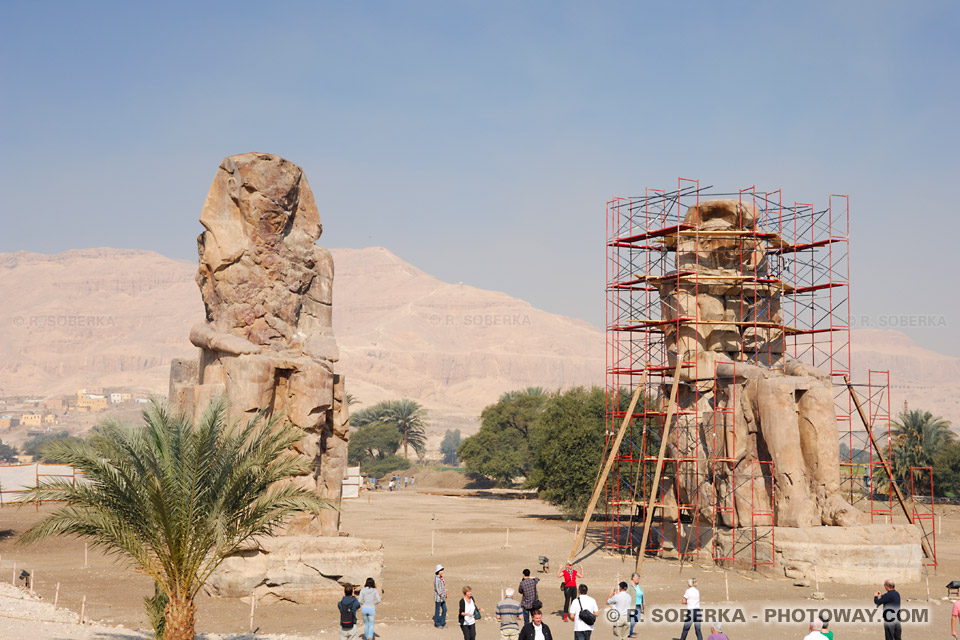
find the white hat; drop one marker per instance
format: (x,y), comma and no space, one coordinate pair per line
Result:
(439,568)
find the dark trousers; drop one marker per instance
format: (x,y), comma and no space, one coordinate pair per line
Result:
(469,631)
(569,595)
(692,617)
(581,635)
(526,616)
(891,631)
(440,614)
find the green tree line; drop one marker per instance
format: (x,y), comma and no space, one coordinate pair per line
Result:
(554,442)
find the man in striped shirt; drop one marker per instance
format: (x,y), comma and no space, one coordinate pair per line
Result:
(508,614)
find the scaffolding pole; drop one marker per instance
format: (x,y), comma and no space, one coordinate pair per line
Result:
(648,515)
(885,463)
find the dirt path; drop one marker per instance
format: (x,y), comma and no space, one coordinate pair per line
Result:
(470,539)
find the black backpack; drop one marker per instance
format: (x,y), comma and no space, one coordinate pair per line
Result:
(348,614)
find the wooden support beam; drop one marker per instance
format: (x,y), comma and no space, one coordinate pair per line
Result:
(884,462)
(671,409)
(602,478)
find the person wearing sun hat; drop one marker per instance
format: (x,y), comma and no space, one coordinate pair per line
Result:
(439,598)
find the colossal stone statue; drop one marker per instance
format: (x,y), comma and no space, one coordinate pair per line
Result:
(267,342)
(743,401)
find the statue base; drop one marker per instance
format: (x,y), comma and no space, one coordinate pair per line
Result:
(866,554)
(300,569)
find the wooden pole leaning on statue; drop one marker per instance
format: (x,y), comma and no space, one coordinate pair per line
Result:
(671,409)
(602,479)
(885,463)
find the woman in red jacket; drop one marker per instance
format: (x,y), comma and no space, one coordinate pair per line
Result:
(569,576)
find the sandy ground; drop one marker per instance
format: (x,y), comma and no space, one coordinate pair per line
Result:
(470,539)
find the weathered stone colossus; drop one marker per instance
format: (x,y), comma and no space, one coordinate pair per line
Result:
(267,341)
(744,401)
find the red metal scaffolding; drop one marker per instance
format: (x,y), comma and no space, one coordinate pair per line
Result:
(788,297)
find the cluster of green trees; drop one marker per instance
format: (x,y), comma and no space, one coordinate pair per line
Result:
(552,442)
(384,429)
(448,447)
(7,453)
(921,439)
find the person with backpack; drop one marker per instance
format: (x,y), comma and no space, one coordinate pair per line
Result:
(583,611)
(348,608)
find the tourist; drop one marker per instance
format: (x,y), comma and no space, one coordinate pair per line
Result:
(816,626)
(508,615)
(569,586)
(469,614)
(716,632)
(369,599)
(825,623)
(439,599)
(621,602)
(390,486)
(693,615)
(347,607)
(535,629)
(891,610)
(955,618)
(583,628)
(637,603)
(528,594)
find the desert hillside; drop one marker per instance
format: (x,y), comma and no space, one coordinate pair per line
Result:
(115,318)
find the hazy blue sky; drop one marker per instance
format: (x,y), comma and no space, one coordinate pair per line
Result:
(481,140)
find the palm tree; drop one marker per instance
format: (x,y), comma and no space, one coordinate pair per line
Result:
(175,498)
(917,436)
(409,418)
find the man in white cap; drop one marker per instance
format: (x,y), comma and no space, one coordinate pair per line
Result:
(439,598)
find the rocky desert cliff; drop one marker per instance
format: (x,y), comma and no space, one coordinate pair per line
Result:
(115,318)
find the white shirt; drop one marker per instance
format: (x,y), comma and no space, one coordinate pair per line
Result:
(588,604)
(693,598)
(468,609)
(621,601)
(538,632)
(814,635)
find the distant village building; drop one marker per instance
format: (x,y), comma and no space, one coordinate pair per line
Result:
(57,405)
(50,418)
(142,400)
(7,422)
(31,419)
(91,402)
(119,398)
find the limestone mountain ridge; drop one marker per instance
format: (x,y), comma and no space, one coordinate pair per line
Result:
(116,317)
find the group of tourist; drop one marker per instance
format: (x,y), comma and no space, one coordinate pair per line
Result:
(365,601)
(578,607)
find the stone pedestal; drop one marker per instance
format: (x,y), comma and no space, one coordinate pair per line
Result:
(301,569)
(867,554)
